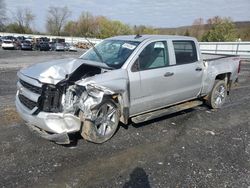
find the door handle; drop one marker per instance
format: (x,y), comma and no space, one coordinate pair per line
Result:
(168,74)
(198,69)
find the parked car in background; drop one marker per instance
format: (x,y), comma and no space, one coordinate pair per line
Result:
(51,45)
(59,47)
(29,38)
(26,45)
(9,44)
(21,38)
(58,40)
(43,46)
(9,38)
(66,46)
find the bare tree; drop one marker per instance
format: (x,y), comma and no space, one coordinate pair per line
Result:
(24,18)
(2,14)
(197,28)
(56,19)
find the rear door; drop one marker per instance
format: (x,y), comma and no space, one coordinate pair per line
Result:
(188,70)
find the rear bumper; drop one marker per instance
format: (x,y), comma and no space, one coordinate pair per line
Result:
(8,47)
(26,47)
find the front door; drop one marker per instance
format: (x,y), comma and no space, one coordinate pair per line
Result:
(155,76)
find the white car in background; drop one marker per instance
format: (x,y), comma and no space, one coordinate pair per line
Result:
(9,44)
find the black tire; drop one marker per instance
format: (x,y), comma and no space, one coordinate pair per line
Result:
(105,124)
(217,96)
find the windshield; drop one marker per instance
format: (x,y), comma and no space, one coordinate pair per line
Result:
(114,53)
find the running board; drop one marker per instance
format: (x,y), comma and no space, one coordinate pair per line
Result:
(166,111)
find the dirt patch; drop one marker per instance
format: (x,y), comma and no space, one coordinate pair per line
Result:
(9,116)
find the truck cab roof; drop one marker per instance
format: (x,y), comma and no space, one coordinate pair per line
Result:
(140,38)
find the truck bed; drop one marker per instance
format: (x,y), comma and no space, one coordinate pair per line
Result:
(213,57)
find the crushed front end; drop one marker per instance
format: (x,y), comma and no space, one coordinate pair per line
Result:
(53,111)
(41,106)
(57,98)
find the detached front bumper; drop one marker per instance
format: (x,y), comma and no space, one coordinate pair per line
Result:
(51,126)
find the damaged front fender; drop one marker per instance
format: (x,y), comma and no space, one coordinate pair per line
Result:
(95,96)
(94,89)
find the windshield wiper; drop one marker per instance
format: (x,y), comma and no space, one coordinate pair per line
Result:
(95,50)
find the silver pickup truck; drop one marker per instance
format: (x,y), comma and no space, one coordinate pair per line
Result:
(121,78)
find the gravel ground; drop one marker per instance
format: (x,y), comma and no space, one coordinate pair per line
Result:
(17,59)
(195,148)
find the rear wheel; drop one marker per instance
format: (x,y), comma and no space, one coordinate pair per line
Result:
(104,125)
(217,96)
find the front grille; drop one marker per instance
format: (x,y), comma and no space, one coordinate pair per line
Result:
(51,99)
(27,102)
(30,87)
(48,101)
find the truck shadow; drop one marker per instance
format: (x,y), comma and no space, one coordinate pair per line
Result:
(138,179)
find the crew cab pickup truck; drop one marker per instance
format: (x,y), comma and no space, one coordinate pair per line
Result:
(122,78)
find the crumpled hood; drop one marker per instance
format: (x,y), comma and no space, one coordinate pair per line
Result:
(53,71)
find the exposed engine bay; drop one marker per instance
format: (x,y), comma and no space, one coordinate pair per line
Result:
(68,97)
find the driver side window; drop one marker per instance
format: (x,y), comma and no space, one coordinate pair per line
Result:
(155,55)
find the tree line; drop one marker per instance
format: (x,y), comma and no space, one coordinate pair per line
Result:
(58,22)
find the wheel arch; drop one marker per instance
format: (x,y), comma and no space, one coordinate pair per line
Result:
(120,100)
(227,78)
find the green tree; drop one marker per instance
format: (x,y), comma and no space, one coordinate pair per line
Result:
(186,33)
(102,27)
(70,28)
(87,25)
(15,28)
(142,29)
(221,30)
(107,28)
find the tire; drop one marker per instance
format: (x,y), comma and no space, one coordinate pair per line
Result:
(105,124)
(217,96)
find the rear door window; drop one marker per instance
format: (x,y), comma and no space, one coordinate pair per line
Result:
(185,52)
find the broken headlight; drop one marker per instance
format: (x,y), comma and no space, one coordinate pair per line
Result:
(73,96)
(97,91)
(94,91)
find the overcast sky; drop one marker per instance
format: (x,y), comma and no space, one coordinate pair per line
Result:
(157,13)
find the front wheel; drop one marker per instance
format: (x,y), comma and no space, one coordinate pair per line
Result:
(104,125)
(217,96)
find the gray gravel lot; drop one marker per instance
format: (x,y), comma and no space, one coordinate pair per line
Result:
(195,148)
